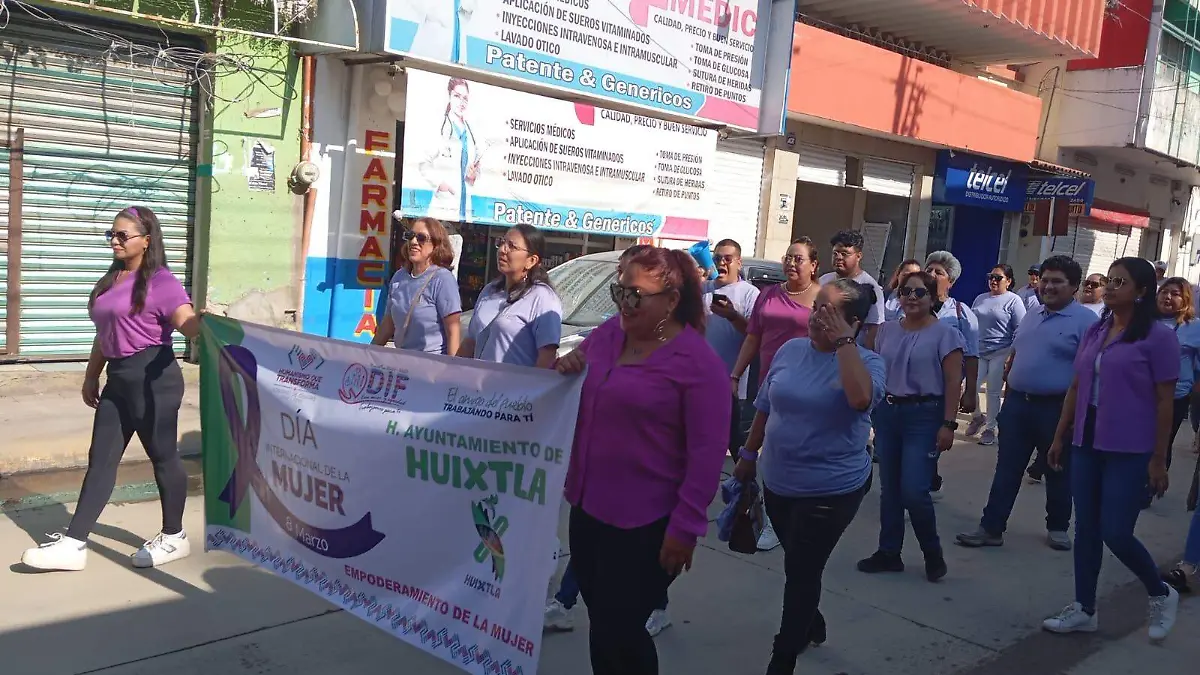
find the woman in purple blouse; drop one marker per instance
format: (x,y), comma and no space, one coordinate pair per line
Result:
(1118,415)
(136,306)
(649,446)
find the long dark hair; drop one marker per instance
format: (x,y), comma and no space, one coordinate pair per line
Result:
(1145,309)
(677,270)
(154,259)
(1006,270)
(535,244)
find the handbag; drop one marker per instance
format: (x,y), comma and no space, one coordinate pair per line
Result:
(748,520)
(403,331)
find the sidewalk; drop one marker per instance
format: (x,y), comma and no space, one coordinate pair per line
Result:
(46,426)
(213,613)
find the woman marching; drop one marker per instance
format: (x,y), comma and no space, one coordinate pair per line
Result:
(423,300)
(999,312)
(1175,306)
(780,313)
(815,471)
(1091,293)
(914,423)
(135,306)
(518,317)
(1118,414)
(649,445)
(892,309)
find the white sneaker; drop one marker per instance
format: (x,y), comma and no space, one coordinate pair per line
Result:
(60,554)
(1072,620)
(976,424)
(658,622)
(1162,614)
(162,549)
(767,539)
(557,617)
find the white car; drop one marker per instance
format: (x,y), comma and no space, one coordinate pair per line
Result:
(583,285)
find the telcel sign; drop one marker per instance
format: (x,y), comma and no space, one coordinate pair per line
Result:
(972,180)
(1078,191)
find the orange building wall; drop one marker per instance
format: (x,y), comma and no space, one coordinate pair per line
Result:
(843,80)
(1074,22)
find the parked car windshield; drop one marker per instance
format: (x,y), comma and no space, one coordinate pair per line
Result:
(583,286)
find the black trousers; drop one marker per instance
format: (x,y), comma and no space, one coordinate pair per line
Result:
(622,583)
(809,529)
(142,396)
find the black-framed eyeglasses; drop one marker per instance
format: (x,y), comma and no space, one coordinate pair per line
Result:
(996,278)
(421,237)
(120,237)
(917,292)
(625,296)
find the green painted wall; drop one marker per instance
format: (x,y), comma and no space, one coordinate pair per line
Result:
(253,237)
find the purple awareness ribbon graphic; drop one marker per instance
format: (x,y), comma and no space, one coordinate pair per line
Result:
(347,542)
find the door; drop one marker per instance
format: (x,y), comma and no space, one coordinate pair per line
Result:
(108,124)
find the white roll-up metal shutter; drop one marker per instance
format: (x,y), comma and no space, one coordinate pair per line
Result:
(103,130)
(822,165)
(1096,245)
(888,178)
(1064,244)
(737,193)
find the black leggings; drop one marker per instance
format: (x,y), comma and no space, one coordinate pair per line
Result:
(622,582)
(809,529)
(142,396)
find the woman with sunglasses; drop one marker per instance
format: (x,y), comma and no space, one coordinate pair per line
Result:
(999,312)
(1117,414)
(780,313)
(649,447)
(423,299)
(814,416)
(1175,306)
(914,424)
(136,306)
(518,317)
(1091,293)
(891,306)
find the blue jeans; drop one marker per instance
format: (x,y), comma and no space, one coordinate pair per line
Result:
(906,445)
(1191,551)
(1027,425)
(568,590)
(1108,488)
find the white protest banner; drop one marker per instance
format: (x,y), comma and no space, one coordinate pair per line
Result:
(482,154)
(687,57)
(421,493)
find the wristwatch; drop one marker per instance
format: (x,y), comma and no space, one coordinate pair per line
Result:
(951,425)
(842,342)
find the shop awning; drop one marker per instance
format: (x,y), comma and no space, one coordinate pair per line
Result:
(1057,169)
(1116,215)
(684,229)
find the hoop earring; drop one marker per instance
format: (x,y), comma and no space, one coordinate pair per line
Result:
(660,330)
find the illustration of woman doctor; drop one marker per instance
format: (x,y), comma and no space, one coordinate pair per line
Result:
(441,24)
(453,167)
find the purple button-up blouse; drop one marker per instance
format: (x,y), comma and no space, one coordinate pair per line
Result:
(1126,417)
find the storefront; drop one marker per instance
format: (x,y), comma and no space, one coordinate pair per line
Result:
(482,158)
(976,200)
(837,190)
(1110,231)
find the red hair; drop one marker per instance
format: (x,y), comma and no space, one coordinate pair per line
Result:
(677,271)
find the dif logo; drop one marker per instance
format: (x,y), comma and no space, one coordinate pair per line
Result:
(373,385)
(987,179)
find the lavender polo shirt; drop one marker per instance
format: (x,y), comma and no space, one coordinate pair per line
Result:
(1129,373)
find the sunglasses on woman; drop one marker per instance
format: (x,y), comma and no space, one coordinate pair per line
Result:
(421,237)
(1092,285)
(918,292)
(629,297)
(119,236)
(996,278)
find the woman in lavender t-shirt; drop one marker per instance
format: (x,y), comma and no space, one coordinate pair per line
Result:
(423,300)
(136,306)
(915,423)
(1117,418)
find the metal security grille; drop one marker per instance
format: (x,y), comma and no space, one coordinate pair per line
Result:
(736,193)
(102,131)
